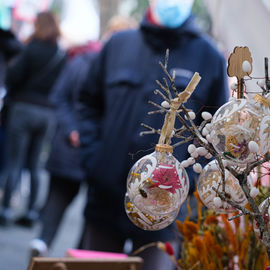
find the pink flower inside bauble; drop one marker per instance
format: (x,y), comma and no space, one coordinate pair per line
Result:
(166,177)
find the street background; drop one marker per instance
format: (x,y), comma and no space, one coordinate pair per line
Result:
(14,240)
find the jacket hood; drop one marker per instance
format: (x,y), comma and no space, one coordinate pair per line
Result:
(160,37)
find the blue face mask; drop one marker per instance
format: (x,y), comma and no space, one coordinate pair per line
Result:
(173,13)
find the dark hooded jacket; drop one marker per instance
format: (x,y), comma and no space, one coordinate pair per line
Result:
(114,102)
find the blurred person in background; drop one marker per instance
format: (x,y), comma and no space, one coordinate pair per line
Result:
(9,48)
(31,116)
(65,171)
(113,103)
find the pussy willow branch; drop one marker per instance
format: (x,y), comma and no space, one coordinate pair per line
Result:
(171,78)
(265,234)
(183,141)
(151,130)
(166,90)
(223,196)
(158,92)
(156,105)
(189,131)
(238,216)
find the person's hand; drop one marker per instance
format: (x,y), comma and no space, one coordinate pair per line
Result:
(74,138)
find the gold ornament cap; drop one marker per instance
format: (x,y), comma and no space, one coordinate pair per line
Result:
(262,100)
(164,148)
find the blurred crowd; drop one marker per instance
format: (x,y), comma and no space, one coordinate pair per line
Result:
(83,106)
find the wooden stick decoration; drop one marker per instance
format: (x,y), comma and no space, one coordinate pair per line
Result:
(240,59)
(169,121)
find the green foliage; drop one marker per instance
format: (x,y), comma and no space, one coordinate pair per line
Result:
(57,6)
(202,15)
(139,10)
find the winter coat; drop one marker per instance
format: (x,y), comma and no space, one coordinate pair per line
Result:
(114,103)
(64,159)
(9,47)
(28,78)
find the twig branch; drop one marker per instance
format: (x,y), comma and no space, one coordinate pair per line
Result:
(157,91)
(155,112)
(232,203)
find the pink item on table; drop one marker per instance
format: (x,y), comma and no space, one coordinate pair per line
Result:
(80,253)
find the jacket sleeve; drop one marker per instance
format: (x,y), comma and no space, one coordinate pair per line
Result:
(17,71)
(62,96)
(90,110)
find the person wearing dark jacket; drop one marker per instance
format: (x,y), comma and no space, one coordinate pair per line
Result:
(10,46)
(31,117)
(113,104)
(64,167)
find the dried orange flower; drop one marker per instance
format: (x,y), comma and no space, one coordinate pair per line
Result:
(198,243)
(212,219)
(180,226)
(209,240)
(190,229)
(218,251)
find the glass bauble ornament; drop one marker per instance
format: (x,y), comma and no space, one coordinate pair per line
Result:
(264,208)
(234,125)
(262,103)
(211,177)
(157,186)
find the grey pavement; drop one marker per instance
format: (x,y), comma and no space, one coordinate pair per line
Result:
(14,240)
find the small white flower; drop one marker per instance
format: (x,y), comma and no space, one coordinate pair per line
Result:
(185,163)
(191,161)
(165,104)
(253,147)
(208,138)
(191,115)
(217,202)
(191,148)
(205,131)
(194,154)
(197,168)
(246,67)
(206,115)
(202,151)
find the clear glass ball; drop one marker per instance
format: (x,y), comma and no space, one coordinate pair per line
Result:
(264,208)
(157,185)
(211,177)
(234,125)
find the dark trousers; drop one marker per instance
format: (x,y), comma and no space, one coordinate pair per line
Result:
(97,239)
(29,127)
(61,193)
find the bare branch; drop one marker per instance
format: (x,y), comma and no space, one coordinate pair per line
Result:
(166,90)
(232,203)
(187,139)
(155,112)
(156,105)
(162,95)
